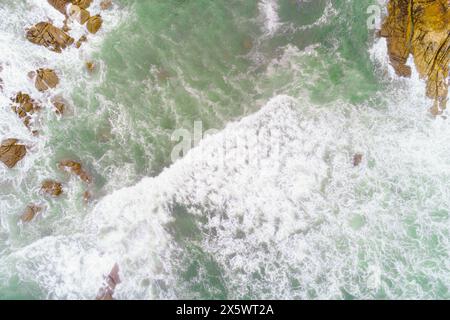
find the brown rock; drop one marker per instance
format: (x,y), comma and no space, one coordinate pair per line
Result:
(49,36)
(87,196)
(52,188)
(94,23)
(30,212)
(421,28)
(357,159)
(111,281)
(105,4)
(79,14)
(59,106)
(90,66)
(46,79)
(60,5)
(84,4)
(11,152)
(75,168)
(80,41)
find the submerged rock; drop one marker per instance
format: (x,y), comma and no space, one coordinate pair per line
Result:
(60,105)
(105,4)
(357,159)
(49,36)
(52,188)
(90,66)
(46,79)
(87,196)
(111,281)
(11,152)
(75,168)
(94,23)
(30,212)
(421,28)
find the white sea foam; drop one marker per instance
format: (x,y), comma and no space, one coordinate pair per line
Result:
(301,222)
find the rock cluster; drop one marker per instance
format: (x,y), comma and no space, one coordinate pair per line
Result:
(51,187)
(11,152)
(421,28)
(49,36)
(75,168)
(24,107)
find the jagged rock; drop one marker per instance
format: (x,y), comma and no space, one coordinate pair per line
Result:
(111,281)
(357,159)
(421,28)
(80,41)
(52,188)
(79,14)
(49,36)
(24,107)
(94,23)
(46,79)
(84,4)
(60,5)
(30,212)
(105,4)
(60,105)
(90,66)
(11,152)
(75,168)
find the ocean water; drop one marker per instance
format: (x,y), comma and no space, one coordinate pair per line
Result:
(269,206)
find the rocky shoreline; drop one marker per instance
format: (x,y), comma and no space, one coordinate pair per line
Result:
(56,39)
(421,28)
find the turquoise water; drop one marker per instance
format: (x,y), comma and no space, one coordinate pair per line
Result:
(380,231)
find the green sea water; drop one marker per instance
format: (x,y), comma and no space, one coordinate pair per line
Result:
(173,62)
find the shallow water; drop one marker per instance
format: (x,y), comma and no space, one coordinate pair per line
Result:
(270,206)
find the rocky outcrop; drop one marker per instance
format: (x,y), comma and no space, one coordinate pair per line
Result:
(94,23)
(24,107)
(60,5)
(111,281)
(46,79)
(75,168)
(30,212)
(49,36)
(421,28)
(52,188)
(11,152)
